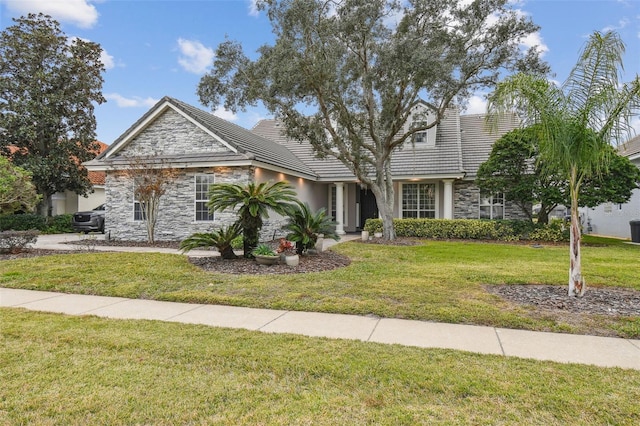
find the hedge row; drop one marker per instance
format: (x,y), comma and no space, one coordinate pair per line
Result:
(22,222)
(474,229)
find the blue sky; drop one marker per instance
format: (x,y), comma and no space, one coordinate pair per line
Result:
(156,48)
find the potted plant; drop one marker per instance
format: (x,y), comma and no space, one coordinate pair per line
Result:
(265,255)
(288,252)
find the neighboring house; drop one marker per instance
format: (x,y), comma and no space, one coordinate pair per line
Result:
(610,219)
(70,202)
(433,176)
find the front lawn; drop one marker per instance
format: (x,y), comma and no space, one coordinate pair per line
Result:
(439,281)
(66,370)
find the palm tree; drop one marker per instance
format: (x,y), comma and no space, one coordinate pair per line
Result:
(222,239)
(304,226)
(254,201)
(577,121)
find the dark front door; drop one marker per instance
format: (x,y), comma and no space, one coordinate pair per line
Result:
(368,206)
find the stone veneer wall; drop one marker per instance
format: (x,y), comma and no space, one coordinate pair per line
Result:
(466,203)
(172,134)
(176,219)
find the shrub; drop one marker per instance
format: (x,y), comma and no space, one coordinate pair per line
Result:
(16,241)
(22,222)
(60,224)
(472,229)
(222,239)
(556,230)
(264,250)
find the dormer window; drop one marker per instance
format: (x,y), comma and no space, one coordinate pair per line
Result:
(422,117)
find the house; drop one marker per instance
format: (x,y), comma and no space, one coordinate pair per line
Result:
(70,202)
(433,176)
(610,219)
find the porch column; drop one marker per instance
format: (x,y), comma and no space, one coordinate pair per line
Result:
(340,208)
(448,199)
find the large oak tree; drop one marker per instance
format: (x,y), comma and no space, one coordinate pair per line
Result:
(344,75)
(49,84)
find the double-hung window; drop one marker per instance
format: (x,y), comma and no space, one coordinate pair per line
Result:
(138,206)
(491,206)
(203,183)
(418,200)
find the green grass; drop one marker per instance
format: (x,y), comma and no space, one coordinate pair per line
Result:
(84,370)
(439,281)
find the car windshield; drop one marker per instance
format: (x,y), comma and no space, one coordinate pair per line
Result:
(100,207)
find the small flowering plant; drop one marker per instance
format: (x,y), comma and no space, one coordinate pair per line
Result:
(286,247)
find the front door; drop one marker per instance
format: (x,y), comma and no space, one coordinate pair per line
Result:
(368,206)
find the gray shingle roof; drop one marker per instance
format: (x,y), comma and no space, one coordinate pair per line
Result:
(631,147)
(462,144)
(249,145)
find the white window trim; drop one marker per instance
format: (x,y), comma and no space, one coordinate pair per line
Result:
(212,180)
(436,197)
(490,205)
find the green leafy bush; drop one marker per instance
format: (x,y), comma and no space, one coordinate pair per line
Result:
(264,250)
(22,222)
(60,224)
(472,229)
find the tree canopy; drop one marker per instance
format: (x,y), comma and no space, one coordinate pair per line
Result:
(515,168)
(49,84)
(345,76)
(16,190)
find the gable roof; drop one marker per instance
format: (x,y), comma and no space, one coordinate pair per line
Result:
(242,144)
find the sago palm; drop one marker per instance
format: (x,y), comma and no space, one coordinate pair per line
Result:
(221,239)
(577,121)
(254,201)
(304,226)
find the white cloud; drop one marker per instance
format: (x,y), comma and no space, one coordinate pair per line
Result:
(225,114)
(133,102)
(107,60)
(534,39)
(196,58)
(621,25)
(78,12)
(477,104)
(253,8)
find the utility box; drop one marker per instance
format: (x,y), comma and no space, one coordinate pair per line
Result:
(635,231)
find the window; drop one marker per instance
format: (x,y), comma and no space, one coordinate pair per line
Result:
(332,213)
(420,137)
(418,200)
(203,183)
(492,206)
(138,210)
(138,207)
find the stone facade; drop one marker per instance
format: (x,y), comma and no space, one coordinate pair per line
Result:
(176,218)
(466,203)
(172,134)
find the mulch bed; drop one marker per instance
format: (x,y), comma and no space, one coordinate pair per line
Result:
(324,261)
(597,300)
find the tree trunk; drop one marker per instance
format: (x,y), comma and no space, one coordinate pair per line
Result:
(577,286)
(383,190)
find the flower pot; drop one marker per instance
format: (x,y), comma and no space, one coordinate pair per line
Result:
(266,260)
(292,260)
(365,235)
(378,234)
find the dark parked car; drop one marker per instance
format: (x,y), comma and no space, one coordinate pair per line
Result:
(89,221)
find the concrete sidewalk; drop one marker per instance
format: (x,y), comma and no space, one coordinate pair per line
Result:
(600,351)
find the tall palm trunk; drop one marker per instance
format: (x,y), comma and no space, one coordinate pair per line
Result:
(577,286)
